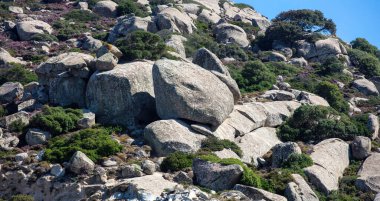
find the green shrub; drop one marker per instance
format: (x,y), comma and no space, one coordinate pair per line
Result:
(22,197)
(44,37)
(277,180)
(231,51)
(297,162)
(66,29)
(141,45)
(3,111)
(281,68)
(126,7)
(215,144)
(333,95)
(243,5)
(17,73)
(17,126)
(330,66)
(81,16)
(95,143)
(363,45)
(155,3)
(316,123)
(177,161)
(256,77)
(56,120)
(367,64)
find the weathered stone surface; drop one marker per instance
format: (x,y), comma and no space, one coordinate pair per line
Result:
(65,77)
(108,48)
(366,87)
(320,50)
(299,190)
(6,59)
(87,121)
(258,194)
(168,136)
(208,16)
(216,176)
(81,164)
(226,153)
(22,116)
(148,167)
(373,125)
(127,24)
(105,8)
(209,61)
(106,62)
(37,136)
(16,9)
(369,174)
(123,95)
(176,42)
(361,147)
(312,99)
(10,92)
(91,44)
(281,153)
(131,171)
(331,158)
(300,62)
(173,19)
(278,95)
(27,29)
(229,33)
(185,90)
(257,143)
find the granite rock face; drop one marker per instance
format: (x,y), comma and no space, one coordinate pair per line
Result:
(369,174)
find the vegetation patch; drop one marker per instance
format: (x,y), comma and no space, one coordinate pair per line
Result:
(126,7)
(57,120)
(215,144)
(177,161)
(366,63)
(22,197)
(81,16)
(95,143)
(333,95)
(17,73)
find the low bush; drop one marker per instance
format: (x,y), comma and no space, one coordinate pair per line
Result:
(126,7)
(366,63)
(17,73)
(177,161)
(333,95)
(17,126)
(231,51)
(316,123)
(215,144)
(283,69)
(255,77)
(81,16)
(66,29)
(277,180)
(297,162)
(3,111)
(44,37)
(363,45)
(155,3)
(330,66)
(57,120)
(141,45)
(22,197)
(95,143)
(243,5)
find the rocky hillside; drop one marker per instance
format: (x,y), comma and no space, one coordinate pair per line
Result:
(149,100)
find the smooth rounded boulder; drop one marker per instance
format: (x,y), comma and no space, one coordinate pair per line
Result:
(123,95)
(187,91)
(27,29)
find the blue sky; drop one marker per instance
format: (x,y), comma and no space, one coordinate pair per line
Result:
(354,18)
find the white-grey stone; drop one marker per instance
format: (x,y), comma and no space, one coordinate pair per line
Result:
(81,164)
(36,136)
(27,29)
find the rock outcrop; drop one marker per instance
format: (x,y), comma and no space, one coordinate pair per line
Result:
(27,29)
(258,194)
(172,19)
(228,33)
(299,190)
(369,174)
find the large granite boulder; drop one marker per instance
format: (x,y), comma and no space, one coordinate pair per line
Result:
(228,33)
(258,194)
(123,95)
(208,16)
(373,125)
(331,158)
(176,21)
(281,153)
(105,8)
(257,143)
(209,61)
(176,42)
(27,29)
(10,92)
(65,77)
(216,176)
(127,24)
(299,190)
(6,58)
(369,174)
(184,90)
(168,136)
(366,87)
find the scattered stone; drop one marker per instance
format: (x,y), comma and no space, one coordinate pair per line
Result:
(21,157)
(168,136)
(258,194)
(36,136)
(81,164)
(57,170)
(106,62)
(299,190)
(109,163)
(88,120)
(216,176)
(20,117)
(361,147)
(131,171)
(176,84)
(300,62)
(182,178)
(16,9)
(281,153)
(148,166)
(10,92)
